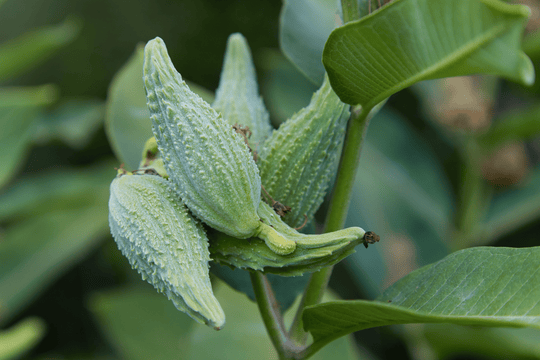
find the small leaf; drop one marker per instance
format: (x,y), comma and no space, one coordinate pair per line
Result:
(479,286)
(413,40)
(32,48)
(56,190)
(304,26)
(18,110)
(514,126)
(74,122)
(142,324)
(21,337)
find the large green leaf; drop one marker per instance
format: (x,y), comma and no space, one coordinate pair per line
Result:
(35,252)
(304,28)
(20,338)
(479,286)
(142,324)
(127,119)
(412,40)
(32,48)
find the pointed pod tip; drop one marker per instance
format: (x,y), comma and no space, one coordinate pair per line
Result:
(237,38)
(156,56)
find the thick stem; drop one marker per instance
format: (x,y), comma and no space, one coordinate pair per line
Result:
(270,313)
(337,212)
(474,195)
(350,10)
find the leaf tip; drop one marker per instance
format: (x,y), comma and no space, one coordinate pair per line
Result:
(526,70)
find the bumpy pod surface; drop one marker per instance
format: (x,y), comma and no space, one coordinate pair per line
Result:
(298,162)
(312,252)
(169,248)
(237,97)
(206,159)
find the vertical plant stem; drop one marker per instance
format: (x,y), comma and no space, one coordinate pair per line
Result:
(473,195)
(270,313)
(350,10)
(337,212)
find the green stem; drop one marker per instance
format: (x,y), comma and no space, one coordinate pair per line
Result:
(473,195)
(337,212)
(270,314)
(350,10)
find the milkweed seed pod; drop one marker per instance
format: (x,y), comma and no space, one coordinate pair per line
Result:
(209,163)
(298,162)
(312,252)
(237,97)
(169,248)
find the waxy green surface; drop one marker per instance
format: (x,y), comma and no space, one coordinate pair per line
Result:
(169,248)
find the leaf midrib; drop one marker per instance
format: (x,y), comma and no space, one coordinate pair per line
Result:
(456,56)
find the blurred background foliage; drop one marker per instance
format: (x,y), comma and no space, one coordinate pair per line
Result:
(447,164)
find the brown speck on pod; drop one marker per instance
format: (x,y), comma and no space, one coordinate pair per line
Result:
(278,207)
(370,238)
(246,134)
(244,131)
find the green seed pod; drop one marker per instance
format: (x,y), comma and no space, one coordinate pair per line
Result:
(237,97)
(312,253)
(155,231)
(208,162)
(298,162)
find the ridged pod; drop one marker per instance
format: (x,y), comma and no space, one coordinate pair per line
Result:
(237,97)
(169,248)
(207,160)
(298,162)
(312,253)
